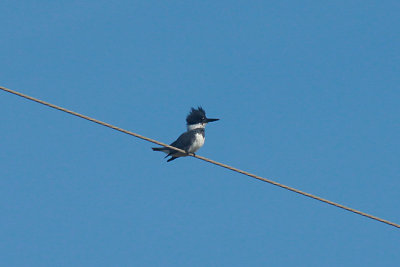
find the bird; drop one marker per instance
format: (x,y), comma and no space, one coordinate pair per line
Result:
(192,139)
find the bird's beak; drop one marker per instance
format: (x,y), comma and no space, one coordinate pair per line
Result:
(211,120)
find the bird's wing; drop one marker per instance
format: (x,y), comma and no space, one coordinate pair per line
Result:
(184,141)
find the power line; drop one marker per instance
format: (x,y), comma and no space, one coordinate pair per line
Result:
(203,158)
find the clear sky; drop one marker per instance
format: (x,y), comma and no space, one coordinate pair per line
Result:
(307,93)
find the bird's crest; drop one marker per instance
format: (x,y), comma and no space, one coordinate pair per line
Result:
(196,116)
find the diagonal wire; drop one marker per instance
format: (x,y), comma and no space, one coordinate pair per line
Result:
(203,158)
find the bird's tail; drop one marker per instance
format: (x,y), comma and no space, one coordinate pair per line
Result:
(159,148)
(163,149)
(171,158)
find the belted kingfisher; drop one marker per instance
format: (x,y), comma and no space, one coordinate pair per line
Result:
(193,138)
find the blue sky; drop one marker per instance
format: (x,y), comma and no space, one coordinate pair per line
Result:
(307,93)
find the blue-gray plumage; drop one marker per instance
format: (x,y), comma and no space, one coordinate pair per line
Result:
(193,138)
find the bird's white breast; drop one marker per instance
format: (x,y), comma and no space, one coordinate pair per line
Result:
(198,142)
